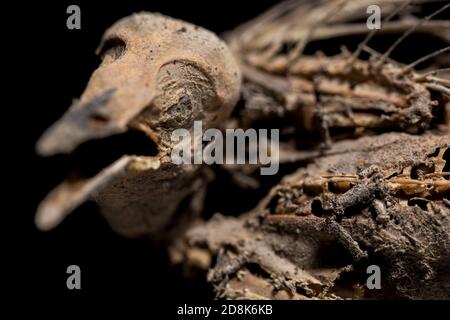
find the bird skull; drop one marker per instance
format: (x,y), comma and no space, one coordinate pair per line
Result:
(157,74)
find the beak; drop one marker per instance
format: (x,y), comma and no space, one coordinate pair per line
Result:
(83,122)
(106,114)
(66,197)
(70,194)
(106,108)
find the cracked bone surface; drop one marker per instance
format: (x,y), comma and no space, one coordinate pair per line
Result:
(157,74)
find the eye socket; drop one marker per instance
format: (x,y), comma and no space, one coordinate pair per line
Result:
(113,48)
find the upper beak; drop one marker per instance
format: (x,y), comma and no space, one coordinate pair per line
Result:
(108,105)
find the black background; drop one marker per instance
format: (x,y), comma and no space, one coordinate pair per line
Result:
(53,66)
